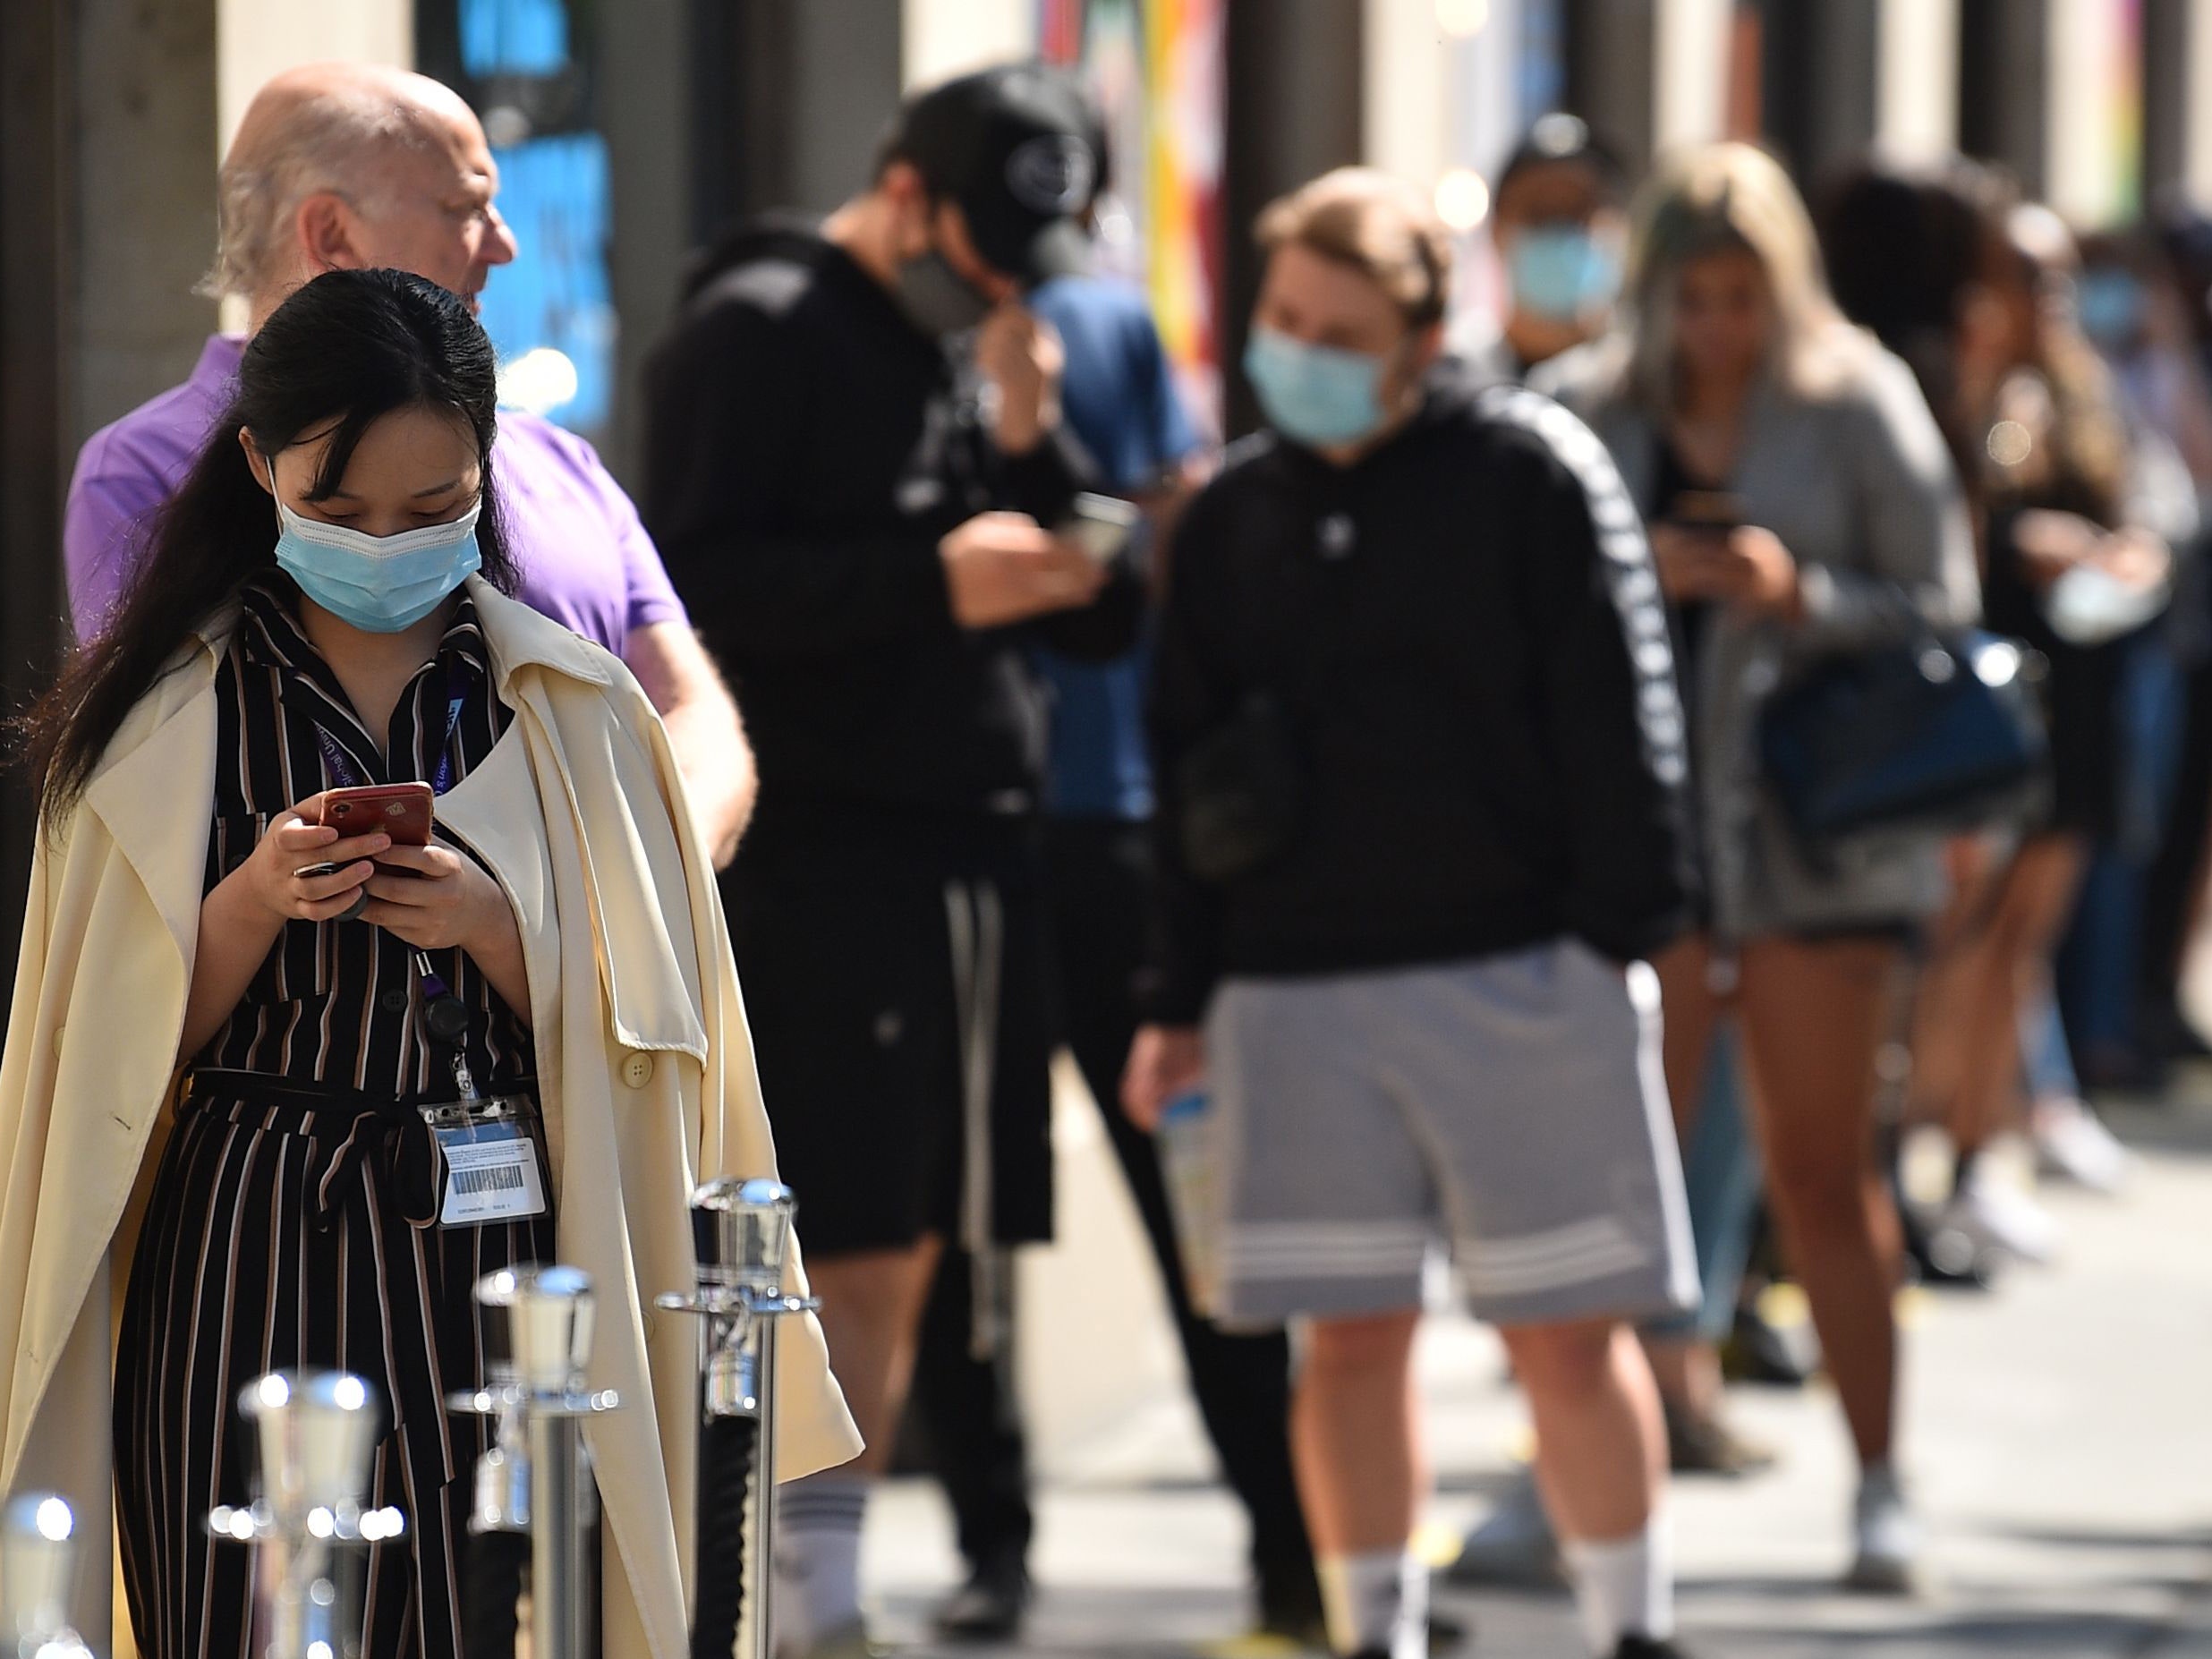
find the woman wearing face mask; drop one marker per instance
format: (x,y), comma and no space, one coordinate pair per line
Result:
(1802,504)
(1559,229)
(244,1044)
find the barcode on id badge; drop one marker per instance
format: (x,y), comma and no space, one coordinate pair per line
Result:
(498,1177)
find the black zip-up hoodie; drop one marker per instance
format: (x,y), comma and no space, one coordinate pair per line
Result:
(806,449)
(1465,639)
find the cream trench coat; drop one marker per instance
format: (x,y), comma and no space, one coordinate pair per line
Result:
(644,1067)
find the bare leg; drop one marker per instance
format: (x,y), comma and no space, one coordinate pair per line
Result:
(1813,1015)
(1687,1369)
(2032,906)
(1355,1436)
(1689,1011)
(1600,1449)
(1601,1461)
(871,1314)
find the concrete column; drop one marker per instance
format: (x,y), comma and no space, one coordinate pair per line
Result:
(1690,68)
(259,38)
(2177,99)
(1295,97)
(2004,85)
(1612,46)
(2196,169)
(789,98)
(1817,83)
(37,279)
(2092,155)
(1917,78)
(942,38)
(645,111)
(1405,80)
(142,195)
(256,39)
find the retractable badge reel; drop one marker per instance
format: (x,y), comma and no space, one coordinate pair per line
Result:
(490,1157)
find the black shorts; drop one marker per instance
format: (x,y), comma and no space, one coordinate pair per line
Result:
(898,1001)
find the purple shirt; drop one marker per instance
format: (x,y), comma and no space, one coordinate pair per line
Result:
(585,560)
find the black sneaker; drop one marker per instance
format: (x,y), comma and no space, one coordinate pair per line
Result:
(991,1607)
(1646,1648)
(1445,1636)
(1287,1598)
(1701,1443)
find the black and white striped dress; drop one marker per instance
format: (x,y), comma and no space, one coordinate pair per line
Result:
(292,1221)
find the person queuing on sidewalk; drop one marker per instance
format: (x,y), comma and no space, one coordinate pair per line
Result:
(2165,365)
(1558,228)
(1419,758)
(2081,511)
(1120,399)
(1913,255)
(1803,506)
(311,618)
(337,167)
(855,449)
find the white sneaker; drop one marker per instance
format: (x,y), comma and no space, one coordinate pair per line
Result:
(1995,1217)
(2072,1144)
(1513,1545)
(1889,1538)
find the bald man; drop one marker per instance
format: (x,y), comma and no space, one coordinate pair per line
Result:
(345,166)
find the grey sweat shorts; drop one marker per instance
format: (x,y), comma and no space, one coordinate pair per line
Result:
(1511,1109)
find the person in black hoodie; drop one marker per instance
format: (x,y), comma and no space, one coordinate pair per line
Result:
(1420,761)
(854,454)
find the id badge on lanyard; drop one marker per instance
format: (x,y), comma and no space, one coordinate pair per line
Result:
(490,1159)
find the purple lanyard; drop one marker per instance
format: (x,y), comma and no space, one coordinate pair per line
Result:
(345,775)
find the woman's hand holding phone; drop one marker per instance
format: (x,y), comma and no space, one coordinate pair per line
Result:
(434,899)
(304,871)
(1742,564)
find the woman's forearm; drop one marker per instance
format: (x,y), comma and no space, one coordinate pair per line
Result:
(503,969)
(497,953)
(236,934)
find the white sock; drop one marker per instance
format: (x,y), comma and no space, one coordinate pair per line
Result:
(1376,1602)
(817,1558)
(1625,1587)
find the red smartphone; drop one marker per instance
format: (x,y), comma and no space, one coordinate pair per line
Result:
(402,810)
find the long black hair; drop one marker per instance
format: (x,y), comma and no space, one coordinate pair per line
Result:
(350,346)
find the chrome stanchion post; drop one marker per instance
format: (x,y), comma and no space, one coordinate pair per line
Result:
(742,1234)
(316,1432)
(37,1572)
(536,1477)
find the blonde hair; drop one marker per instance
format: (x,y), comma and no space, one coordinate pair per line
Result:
(1379,225)
(1718,198)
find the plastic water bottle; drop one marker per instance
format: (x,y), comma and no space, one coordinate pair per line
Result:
(1188,1163)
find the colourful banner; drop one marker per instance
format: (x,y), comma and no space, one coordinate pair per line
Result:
(1156,68)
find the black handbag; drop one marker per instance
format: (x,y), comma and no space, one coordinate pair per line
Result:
(1946,736)
(1240,788)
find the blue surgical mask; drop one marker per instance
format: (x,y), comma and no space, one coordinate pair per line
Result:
(2111,306)
(1561,273)
(379,584)
(1321,395)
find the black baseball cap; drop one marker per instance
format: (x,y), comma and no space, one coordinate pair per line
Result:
(1014,147)
(1560,137)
